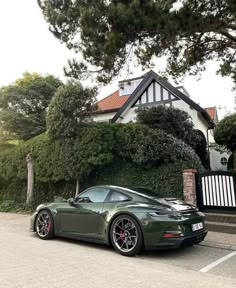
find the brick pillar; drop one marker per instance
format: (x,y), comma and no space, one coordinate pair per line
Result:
(189,183)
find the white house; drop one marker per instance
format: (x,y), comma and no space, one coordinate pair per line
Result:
(150,90)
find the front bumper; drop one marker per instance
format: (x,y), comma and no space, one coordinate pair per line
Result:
(176,242)
(32,222)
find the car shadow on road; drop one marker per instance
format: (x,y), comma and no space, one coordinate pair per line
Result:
(148,254)
(86,244)
(168,253)
(144,254)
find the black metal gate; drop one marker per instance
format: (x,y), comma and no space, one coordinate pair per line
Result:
(216,191)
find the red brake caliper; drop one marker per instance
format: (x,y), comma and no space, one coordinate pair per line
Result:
(122,238)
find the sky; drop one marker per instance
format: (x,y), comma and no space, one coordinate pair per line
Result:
(26,44)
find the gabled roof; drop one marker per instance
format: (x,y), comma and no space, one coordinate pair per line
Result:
(117,103)
(112,103)
(147,80)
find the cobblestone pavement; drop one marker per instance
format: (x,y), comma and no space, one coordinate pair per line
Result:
(26,261)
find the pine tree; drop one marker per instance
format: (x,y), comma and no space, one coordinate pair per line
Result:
(108,32)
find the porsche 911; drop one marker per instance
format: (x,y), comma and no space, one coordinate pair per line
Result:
(128,218)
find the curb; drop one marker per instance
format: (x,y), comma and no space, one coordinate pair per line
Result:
(218,245)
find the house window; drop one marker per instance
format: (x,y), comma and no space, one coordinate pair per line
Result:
(223,161)
(144,98)
(127,88)
(150,94)
(158,92)
(165,95)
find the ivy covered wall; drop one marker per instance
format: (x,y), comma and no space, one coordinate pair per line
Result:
(118,154)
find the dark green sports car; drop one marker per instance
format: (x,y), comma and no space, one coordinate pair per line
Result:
(128,218)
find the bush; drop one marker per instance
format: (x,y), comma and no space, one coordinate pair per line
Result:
(166,180)
(13,193)
(177,123)
(225,133)
(172,120)
(231,163)
(199,145)
(158,157)
(151,147)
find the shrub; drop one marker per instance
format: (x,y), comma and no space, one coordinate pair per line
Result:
(225,133)
(166,179)
(151,147)
(177,123)
(154,158)
(172,120)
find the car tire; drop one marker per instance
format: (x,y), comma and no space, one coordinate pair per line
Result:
(44,225)
(126,235)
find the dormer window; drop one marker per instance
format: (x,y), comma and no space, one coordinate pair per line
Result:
(128,87)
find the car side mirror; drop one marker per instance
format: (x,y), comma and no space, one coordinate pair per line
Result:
(84,200)
(71,202)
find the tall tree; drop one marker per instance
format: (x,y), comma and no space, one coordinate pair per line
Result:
(23,105)
(70,107)
(188,32)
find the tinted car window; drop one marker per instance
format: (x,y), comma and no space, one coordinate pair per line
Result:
(95,195)
(116,196)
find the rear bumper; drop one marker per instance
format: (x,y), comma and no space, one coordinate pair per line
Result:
(176,242)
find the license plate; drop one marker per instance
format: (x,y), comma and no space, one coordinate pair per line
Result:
(197,226)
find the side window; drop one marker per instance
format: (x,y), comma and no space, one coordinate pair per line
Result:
(116,197)
(96,195)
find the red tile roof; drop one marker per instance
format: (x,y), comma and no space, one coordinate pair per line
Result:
(113,101)
(212,112)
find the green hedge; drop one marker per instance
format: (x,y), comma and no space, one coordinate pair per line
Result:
(147,157)
(166,180)
(16,190)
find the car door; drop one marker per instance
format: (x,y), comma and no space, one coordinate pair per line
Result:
(84,219)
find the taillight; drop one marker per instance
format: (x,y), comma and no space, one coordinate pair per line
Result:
(169,235)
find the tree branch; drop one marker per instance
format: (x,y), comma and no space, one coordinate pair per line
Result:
(231,26)
(228,35)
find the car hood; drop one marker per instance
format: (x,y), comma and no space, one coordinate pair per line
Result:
(51,204)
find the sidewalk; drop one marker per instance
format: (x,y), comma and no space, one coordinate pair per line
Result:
(220,240)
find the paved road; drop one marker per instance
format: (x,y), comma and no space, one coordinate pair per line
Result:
(26,261)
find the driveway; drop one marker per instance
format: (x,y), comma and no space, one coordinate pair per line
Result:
(27,261)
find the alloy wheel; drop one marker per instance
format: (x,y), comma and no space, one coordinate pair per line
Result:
(43,224)
(125,234)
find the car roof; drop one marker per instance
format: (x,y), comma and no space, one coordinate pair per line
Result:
(128,189)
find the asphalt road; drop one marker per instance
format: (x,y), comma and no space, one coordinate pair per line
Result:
(26,261)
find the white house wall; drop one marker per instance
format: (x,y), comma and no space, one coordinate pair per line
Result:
(128,116)
(180,104)
(103,117)
(215,160)
(202,125)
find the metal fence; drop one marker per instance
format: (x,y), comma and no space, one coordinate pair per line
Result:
(216,190)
